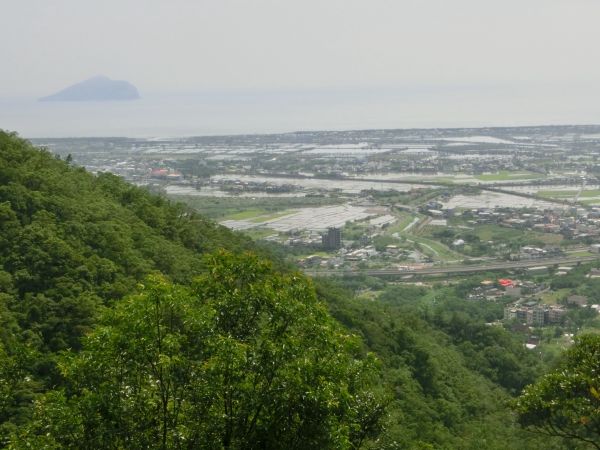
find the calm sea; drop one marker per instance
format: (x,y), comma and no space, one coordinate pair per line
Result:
(213,113)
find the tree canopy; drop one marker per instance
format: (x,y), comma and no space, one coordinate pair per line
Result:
(245,358)
(566,402)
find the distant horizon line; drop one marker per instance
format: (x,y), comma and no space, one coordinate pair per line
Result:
(324,130)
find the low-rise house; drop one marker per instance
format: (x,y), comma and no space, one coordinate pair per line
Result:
(538,270)
(535,314)
(392,249)
(555,314)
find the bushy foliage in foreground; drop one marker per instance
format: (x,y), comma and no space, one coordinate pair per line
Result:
(246,358)
(71,245)
(451,376)
(566,402)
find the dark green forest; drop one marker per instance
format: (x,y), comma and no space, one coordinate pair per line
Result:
(128,321)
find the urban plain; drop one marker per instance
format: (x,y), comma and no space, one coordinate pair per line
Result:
(507,217)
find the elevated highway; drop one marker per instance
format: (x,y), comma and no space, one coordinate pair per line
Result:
(452,270)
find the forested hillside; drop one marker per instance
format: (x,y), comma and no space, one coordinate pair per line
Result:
(130,322)
(71,245)
(71,241)
(450,376)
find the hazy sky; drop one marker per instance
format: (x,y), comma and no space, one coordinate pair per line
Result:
(490,46)
(180,45)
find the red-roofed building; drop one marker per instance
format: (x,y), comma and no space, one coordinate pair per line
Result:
(159,173)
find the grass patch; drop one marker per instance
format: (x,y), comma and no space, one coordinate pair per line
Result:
(591,193)
(551,350)
(497,233)
(368,295)
(273,216)
(401,224)
(441,180)
(557,194)
(243,215)
(593,326)
(581,253)
(258,233)
(551,298)
(430,247)
(220,207)
(568,194)
(435,249)
(505,175)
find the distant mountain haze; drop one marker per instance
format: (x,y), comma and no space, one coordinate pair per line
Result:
(99,88)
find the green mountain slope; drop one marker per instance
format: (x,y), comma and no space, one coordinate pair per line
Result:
(71,245)
(71,241)
(443,395)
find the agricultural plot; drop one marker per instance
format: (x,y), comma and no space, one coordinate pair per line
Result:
(504,175)
(494,199)
(504,234)
(312,219)
(586,196)
(224,208)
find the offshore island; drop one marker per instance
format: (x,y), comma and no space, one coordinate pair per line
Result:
(99,88)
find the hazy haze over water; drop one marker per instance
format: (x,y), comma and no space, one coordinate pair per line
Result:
(239,112)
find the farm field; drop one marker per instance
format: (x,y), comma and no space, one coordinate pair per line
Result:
(504,175)
(498,233)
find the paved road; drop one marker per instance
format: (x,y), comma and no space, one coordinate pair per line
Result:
(504,265)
